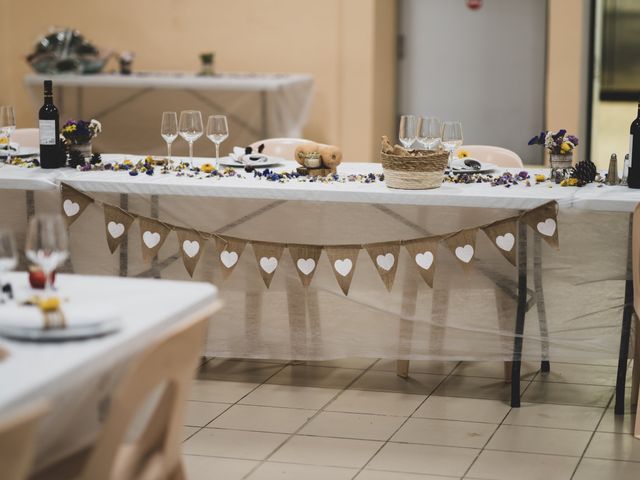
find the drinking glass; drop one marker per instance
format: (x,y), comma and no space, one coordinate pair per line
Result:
(47,245)
(190,128)
(7,125)
(217,132)
(169,130)
(429,132)
(8,256)
(408,131)
(451,137)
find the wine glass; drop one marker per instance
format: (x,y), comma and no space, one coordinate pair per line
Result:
(47,245)
(8,256)
(169,130)
(190,128)
(451,138)
(217,132)
(408,132)
(429,132)
(7,125)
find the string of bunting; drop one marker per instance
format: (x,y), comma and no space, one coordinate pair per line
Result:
(462,244)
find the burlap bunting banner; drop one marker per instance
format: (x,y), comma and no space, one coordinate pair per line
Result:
(385,258)
(305,258)
(153,233)
(117,223)
(463,246)
(423,252)
(504,235)
(73,203)
(228,251)
(268,257)
(191,244)
(343,260)
(544,221)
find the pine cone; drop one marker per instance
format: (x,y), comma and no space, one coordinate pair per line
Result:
(585,171)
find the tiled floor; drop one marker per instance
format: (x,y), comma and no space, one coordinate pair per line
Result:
(355,419)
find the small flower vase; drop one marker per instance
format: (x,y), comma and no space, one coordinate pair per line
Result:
(84,149)
(560,166)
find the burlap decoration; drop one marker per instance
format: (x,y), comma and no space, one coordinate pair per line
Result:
(544,221)
(73,203)
(153,233)
(268,257)
(504,235)
(117,223)
(423,252)
(463,246)
(191,245)
(305,258)
(385,258)
(343,260)
(228,251)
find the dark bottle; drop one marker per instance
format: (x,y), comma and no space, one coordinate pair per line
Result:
(49,125)
(633,180)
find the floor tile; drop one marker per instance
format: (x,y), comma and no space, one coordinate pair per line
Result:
(263,419)
(288,471)
(188,431)
(476,387)
(568,394)
(465,409)
(494,370)
(290,396)
(551,441)
(233,443)
(355,362)
(417,366)
(419,383)
(382,475)
(378,403)
(310,376)
(614,446)
(337,452)
(555,416)
(352,425)
(617,423)
(199,414)
(237,370)
(451,433)
(405,457)
(584,374)
(596,469)
(201,468)
(220,391)
(495,465)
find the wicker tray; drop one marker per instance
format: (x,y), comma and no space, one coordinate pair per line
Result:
(416,172)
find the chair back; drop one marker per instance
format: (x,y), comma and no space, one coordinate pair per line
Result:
(496,155)
(17,441)
(281,147)
(26,137)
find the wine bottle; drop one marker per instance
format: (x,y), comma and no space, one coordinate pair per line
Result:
(633,180)
(49,126)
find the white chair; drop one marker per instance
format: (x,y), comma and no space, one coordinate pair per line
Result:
(281,147)
(496,155)
(26,137)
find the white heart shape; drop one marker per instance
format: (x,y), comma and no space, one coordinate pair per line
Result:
(191,248)
(151,239)
(269,264)
(506,241)
(115,229)
(548,227)
(465,253)
(70,208)
(424,260)
(386,261)
(343,267)
(228,259)
(306,265)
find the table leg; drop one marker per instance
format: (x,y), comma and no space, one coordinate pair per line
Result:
(545,366)
(155,213)
(520,315)
(124,245)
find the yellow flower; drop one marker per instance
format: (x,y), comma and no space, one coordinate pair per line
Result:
(3,140)
(540,178)
(569,182)
(207,168)
(69,129)
(127,162)
(50,304)
(565,147)
(463,153)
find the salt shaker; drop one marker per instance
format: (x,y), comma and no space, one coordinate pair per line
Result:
(612,174)
(625,170)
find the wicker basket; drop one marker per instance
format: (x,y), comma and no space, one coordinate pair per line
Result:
(416,172)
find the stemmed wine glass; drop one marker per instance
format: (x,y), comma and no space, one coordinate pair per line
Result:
(47,245)
(169,130)
(408,131)
(217,132)
(190,128)
(451,138)
(8,256)
(429,132)
(7,125)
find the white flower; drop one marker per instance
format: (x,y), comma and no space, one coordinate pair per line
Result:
(95,126)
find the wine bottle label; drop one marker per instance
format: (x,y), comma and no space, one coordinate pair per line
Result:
(630,148)
(47,132)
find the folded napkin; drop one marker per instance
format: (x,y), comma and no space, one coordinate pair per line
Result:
(77,315)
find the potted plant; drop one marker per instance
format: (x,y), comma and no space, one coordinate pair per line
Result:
(560,146)
(78,134)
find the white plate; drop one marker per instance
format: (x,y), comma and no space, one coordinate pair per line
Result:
(266,162)
(460,167)
(22,152)
(79,332)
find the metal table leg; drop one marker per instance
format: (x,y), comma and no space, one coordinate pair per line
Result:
(520,315)
(545,366)
(124,245)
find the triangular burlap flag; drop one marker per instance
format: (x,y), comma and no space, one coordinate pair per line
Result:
(305,258)
(423,253)
(191,245)
(385,258)
(544,221)
(504,235)
(268,257)
(73,203)
(153,233)
(228,251)
(117,223)
(463,246)
(343,260)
